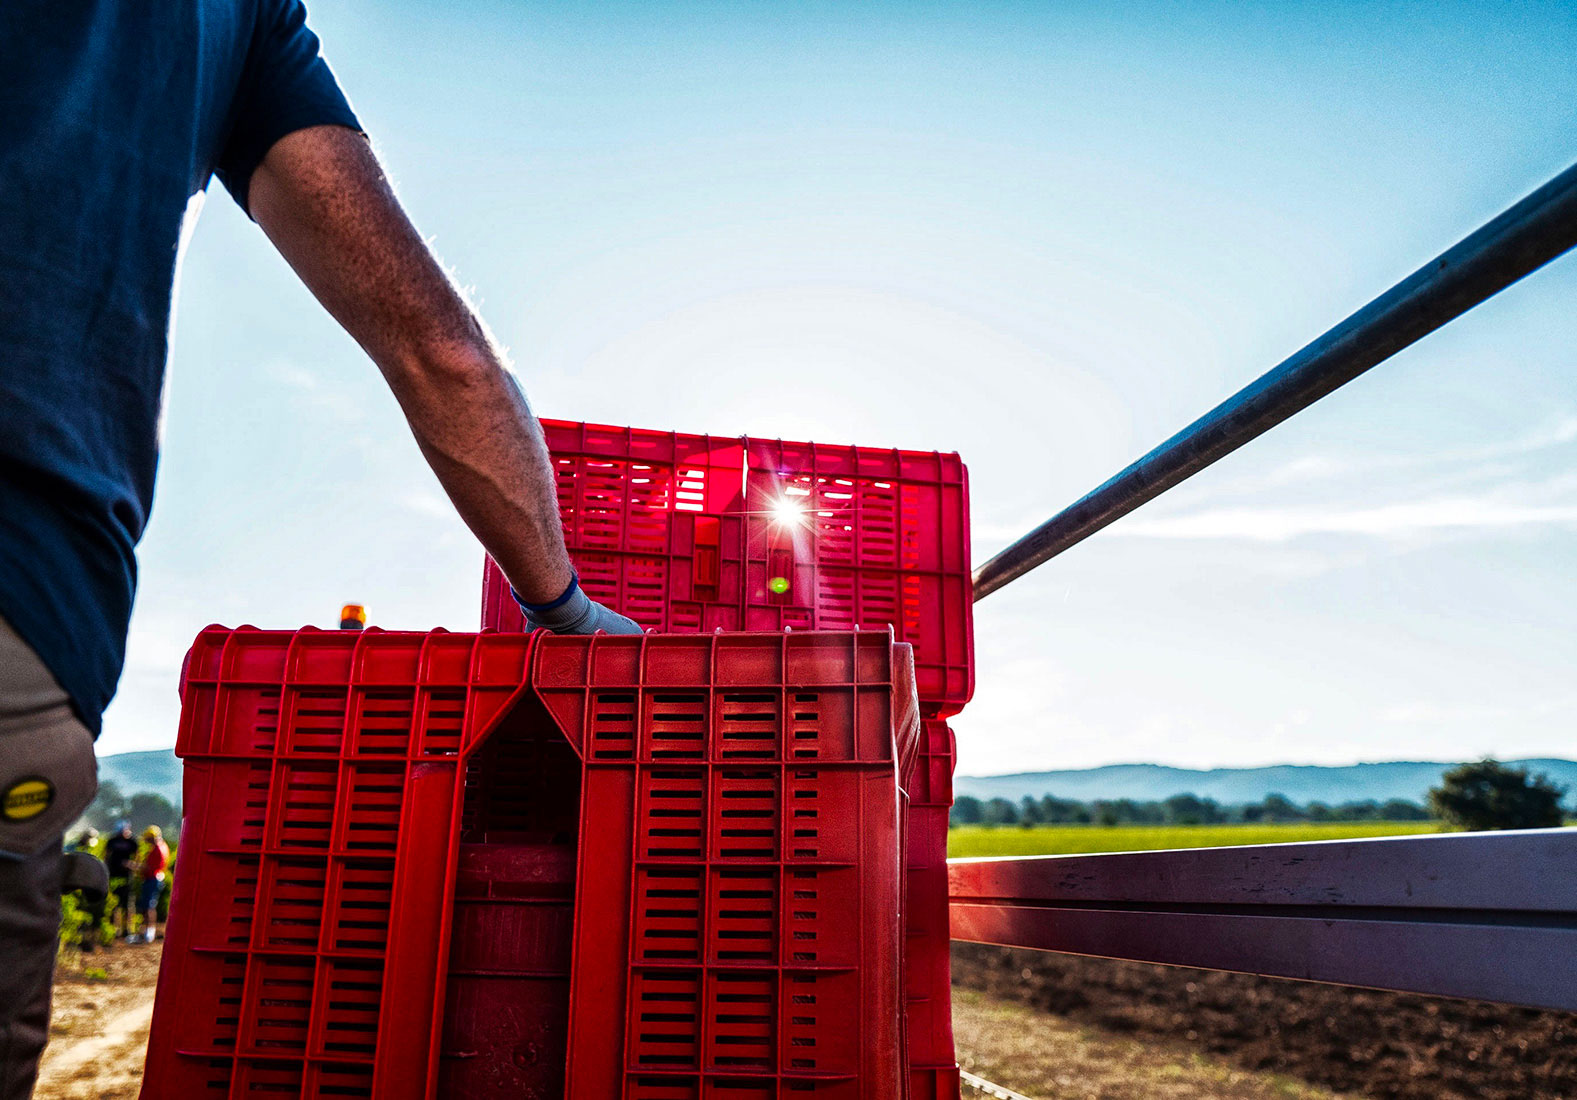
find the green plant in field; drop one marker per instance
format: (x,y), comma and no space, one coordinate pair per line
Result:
(75,927)
(95,974)
(72,917)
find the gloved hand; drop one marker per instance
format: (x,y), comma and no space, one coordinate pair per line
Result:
(575,613)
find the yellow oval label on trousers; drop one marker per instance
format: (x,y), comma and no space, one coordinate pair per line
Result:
(26,798)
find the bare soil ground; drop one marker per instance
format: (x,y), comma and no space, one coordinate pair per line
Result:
(1049,1058)
(99,1030)
(1357,1042)
(1052,1027)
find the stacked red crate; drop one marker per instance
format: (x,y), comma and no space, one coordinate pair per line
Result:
(323,772)
(927,973)
(694,533)
(740,843)
(506,1006)
(662,867)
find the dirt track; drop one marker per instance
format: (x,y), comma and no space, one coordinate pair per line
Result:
(1359,1042)
(99,1029)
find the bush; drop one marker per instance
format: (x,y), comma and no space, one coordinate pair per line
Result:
(75,918)
(1486,794)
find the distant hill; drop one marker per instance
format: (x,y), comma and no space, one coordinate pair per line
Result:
(1231,786)
(158,771)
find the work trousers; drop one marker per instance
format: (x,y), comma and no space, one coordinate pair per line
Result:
(48,776)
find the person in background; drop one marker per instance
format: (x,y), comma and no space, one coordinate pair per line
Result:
(115,117)
(92,910)
(119,851)
(151,868)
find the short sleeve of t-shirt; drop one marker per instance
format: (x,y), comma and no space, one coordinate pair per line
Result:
(286,86)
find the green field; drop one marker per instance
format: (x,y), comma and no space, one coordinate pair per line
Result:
(1058,840)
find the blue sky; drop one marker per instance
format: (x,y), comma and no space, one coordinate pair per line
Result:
(1045,236)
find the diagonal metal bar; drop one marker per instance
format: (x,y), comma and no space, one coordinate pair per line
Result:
(1518,242)
(1491,916)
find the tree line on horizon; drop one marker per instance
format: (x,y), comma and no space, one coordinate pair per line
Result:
(1179,809)
(143,808)
(1482,794)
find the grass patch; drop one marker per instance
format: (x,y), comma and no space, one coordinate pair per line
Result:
(1058,840)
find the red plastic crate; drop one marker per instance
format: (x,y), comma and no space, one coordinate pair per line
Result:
(304,948)
(683,533)
(928,1012)
(934,1082)
(729,842)
(737,899)
(506,1012)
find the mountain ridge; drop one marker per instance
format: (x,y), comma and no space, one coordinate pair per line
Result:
(155,770)
(158,770)
(1333,784)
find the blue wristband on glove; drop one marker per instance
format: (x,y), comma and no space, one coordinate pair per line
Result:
(539,608)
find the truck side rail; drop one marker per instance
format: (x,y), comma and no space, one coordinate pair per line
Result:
(1490,916)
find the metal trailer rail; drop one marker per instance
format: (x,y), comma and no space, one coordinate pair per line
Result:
(1487,916)
(1492,916)
(1517,243)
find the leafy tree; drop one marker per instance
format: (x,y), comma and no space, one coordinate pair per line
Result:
(1063,811)
(1125,811)
(1029,812)
(1319,811)
(999,811)
(1358,811)
(1400,809)
(1278,807)
(966,811)
(1190,809)
(1275,807)
(107,807)
(147,808)
(1485,794)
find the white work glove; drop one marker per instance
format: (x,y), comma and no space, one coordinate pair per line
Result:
(576,613)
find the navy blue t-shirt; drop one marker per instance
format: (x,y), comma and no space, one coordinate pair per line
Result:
(113,114)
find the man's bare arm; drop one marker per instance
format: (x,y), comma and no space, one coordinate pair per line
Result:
(324,201)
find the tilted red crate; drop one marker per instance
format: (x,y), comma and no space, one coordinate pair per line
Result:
(694,533)
(710,822)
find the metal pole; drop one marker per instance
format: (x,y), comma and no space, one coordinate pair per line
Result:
(1518,242)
